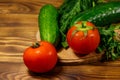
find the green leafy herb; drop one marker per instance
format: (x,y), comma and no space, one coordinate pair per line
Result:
(110,42)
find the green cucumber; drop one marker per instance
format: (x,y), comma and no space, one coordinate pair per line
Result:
(48,24)
(100,15)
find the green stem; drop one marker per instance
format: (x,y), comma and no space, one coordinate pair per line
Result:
(83,25)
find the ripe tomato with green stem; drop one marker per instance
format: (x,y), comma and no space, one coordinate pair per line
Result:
(83,37)
(41,57)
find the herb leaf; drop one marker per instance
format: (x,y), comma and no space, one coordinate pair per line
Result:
(109,44)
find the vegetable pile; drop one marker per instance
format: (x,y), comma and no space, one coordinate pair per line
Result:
(83,25)
(68,10)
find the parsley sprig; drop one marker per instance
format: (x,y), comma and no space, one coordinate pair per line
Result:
(110,42)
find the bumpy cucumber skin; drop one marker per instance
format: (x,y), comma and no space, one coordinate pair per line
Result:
(100,15)
(48,24)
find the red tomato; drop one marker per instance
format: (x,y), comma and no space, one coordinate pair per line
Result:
(41,57)
(83,37)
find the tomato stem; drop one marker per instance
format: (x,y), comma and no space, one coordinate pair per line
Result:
(83,25)
(35,45)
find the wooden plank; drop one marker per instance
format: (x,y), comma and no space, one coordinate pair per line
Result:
(18,71)
(25,6)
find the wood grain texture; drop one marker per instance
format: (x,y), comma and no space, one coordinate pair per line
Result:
(18,28)
(18,71)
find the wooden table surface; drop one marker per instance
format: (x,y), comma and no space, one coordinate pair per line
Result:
(18,27)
